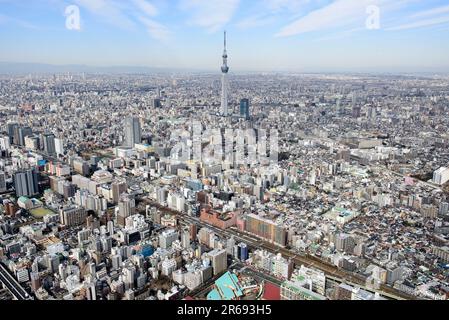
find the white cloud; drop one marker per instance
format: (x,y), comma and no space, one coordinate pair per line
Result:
(128,15)
(437,19)
(431,12)
(155,29)
(270,11)
(257,20)
(21,23)
(338,14)
(148,8)
(110,11)
(276,5)
(212,15)
(421,24)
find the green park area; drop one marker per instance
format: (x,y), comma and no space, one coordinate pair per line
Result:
(40,212)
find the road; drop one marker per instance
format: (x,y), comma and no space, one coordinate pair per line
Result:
(13,285)
(261,276)
(299,259)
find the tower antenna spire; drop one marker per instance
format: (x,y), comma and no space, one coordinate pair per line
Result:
(225,40)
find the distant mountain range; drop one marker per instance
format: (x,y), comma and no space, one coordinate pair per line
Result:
(19,68)
(42,68)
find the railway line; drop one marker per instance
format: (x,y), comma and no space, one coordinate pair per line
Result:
(13,286)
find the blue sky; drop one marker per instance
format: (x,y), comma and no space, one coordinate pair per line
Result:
(264,35)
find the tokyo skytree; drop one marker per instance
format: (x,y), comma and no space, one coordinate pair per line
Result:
(224,81)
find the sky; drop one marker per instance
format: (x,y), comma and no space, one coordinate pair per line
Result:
(263,35)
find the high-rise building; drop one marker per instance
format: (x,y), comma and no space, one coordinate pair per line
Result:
(2,181)
(266,229)
(127,207)
(72,215)
(118,188)
(185,237)
(316,277)
(168,266)
(218,257)
(24,132)
(35,281)
(356,110)
(12,128)
(32,142)
(224,81)
(230,243)
(157,103)
(22,275)
(244,108)
(133,132)
(26,183)
(243,251)
(129,274)
(59,146)
(80,166)
(443,209)
(166,238)
(49,144)
(441,176)
(4,143)
(193,231)
(204,236)
(344,242)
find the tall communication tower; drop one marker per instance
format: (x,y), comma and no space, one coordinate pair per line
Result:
(224,81)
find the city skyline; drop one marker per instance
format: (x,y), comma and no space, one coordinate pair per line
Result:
(153,186)
(272,35)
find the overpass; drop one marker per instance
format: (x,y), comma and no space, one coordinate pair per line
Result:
(10,283)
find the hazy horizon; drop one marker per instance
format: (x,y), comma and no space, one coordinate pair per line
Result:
(45,68)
